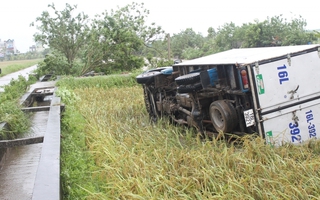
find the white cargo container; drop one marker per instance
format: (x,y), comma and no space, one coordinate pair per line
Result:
(271,90)
(287,95)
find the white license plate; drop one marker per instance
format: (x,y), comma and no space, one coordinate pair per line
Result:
(249,117)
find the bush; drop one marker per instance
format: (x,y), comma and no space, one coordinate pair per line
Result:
(53,64)
(10,109)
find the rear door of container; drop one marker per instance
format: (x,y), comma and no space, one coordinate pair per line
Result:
(295,124)
(288,80)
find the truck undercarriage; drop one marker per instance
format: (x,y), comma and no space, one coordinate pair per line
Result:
(192,100)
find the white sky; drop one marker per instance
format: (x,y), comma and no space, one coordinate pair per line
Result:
(172,15)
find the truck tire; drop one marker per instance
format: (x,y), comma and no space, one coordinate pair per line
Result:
(150,104)
(223,116)
(188,79)
(189,88)
(147,77)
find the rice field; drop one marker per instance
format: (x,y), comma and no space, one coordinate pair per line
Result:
(8,67)
(110,150)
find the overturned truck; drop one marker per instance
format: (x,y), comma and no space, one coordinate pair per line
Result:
(272,91)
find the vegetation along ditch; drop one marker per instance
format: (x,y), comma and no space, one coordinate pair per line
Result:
(15,122)
(10,110)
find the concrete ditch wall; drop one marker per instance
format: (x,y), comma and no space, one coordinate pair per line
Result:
(45,183)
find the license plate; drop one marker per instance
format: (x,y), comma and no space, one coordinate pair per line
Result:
(249,117)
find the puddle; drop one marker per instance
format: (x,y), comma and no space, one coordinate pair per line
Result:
(39,97)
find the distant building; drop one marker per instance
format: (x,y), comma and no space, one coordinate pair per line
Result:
(10,47)
(2,49)
(36,48)
(39,47)
(33,48)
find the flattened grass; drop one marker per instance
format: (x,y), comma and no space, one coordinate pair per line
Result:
(120,155)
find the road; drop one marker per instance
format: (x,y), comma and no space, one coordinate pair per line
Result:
(5,80)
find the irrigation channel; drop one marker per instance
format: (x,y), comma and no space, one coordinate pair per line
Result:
(30,165)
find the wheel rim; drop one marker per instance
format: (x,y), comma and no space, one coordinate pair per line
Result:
(217,118)
(223,116)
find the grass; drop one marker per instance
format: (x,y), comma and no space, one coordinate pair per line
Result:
(8,67)
(10,109)
(111,151)
(103,82)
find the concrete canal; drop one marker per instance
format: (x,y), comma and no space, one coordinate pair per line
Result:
(30,165)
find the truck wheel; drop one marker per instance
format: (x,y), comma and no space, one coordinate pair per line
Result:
(189,88)
(150,104)
(223,115)
(188,79)
(147,77)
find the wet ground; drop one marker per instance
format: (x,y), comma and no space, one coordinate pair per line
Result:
(17,176)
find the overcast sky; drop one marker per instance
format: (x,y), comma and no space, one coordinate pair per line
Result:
(172,15)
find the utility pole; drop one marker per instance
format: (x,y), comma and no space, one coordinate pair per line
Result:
(169,48)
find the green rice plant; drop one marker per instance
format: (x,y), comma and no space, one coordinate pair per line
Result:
(124,156)
(76,162)
(124,80)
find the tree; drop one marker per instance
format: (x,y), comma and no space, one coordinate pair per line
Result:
(255,35)
(296,33)
(53,63)
(276,31)
(187,43)
(227,37)
(120,37)
(209,46)
(317,35)
(63,33)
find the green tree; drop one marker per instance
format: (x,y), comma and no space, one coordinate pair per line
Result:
(209,46)
(53,63)
(255,35)
(275,31)
(63,32)
(317,35)
(227,37)
(120,37)
(187,44)
(296,33)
